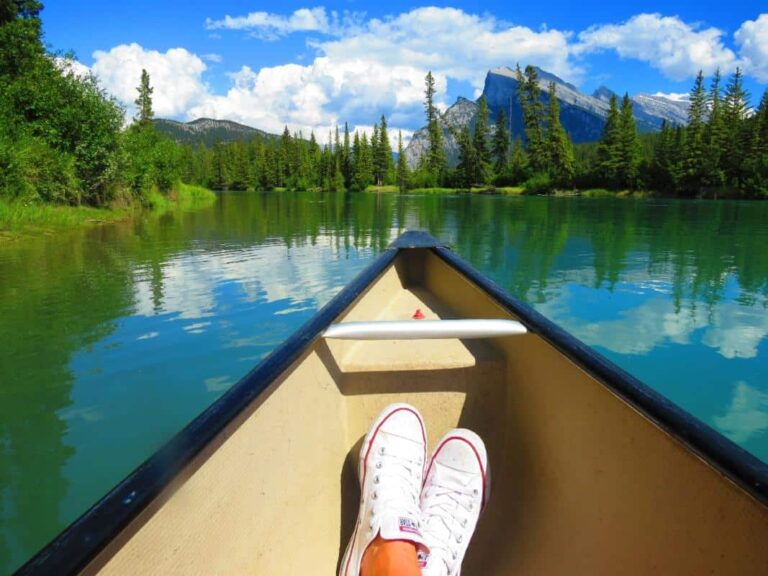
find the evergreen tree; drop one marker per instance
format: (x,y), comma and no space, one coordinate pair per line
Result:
(501,143)
(144,113)
(560,149)
(735,108)
(529,95)
(402,164)
(435,158)
(694,156)
(483,171)
(518,163)
(715,136)
(383,155)
(609,148)
(346,158)
(629,146)
(468,170)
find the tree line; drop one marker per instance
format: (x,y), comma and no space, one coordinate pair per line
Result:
(62,139)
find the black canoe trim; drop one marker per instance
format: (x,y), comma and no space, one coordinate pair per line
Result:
(728,458)
(78,544)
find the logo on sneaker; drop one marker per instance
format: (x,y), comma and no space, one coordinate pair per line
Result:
(409,525)
(422,557)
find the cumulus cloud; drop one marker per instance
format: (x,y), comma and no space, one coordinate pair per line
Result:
(675,96)
(176,76)
(752,38)
(272,26)
(747,414)
(367,68)
(674,47)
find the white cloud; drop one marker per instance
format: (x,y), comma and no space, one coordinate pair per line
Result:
(271,26)
(747,414)
(752,37)
(72,66)
(175,75)
(678,49)
(376,67)
(212,57)
(675,96)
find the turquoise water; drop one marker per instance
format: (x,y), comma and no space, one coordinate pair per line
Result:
(114,337)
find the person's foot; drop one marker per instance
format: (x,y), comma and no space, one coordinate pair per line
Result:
(456,488)
(391,472)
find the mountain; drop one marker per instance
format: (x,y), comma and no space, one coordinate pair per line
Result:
(583,116)
(208,131)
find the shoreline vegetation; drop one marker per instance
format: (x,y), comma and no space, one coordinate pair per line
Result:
(18,219)
(67,157)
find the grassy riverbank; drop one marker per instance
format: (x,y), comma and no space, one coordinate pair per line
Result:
(19,218)
(506,190)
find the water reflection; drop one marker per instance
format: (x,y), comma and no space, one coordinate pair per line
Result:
(113,338)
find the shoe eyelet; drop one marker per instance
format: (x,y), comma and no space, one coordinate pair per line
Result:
(378,464)
(459,538)
(475,492)
(464,523)
(381,450)
(375,479)
(374,496)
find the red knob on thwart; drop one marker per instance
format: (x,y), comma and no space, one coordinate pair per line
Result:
(418,315)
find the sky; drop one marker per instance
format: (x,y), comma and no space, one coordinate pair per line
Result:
(311,66)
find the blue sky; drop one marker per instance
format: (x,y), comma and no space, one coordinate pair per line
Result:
(311,65)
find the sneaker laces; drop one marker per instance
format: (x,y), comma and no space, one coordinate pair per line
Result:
(446,516)
(396,483)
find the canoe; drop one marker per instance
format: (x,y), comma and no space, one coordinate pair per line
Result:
(593,472)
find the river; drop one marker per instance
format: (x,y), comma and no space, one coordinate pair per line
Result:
(114,337)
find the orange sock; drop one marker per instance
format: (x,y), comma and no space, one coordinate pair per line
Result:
(390,558)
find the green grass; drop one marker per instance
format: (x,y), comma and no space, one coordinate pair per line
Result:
(435,191)
(19,217)
(26,218)
(388,189)
(185,196)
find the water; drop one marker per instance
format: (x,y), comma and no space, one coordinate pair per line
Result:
(113,338)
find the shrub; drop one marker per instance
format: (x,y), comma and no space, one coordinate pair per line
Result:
(540,183)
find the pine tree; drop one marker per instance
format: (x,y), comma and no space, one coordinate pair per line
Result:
(609,148)
(629,146)
(402,164)
(560,149)
(346,158)
(435,159)
(382,151)
(501,143)
(735,108)
(529,95)
(374,143)
(715,136)
(694,156)
(144,112)
(518,163)
(468,170)
(483,170)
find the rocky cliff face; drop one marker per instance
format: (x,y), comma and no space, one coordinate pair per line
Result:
(461,114)
(583,116)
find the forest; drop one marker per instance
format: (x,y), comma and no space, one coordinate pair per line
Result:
(63,140)
(721,152)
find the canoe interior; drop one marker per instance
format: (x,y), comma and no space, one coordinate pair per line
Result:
(581,482)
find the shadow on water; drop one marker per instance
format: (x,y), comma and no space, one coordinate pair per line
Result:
(225,284)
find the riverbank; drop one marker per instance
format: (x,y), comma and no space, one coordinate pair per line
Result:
(21,219)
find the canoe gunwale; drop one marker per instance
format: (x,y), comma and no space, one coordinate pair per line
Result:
(78,544)
(730,459)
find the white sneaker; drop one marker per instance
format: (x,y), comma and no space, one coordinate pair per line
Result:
(456,488)
(391,472)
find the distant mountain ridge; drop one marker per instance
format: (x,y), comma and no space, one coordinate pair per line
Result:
(208,131)
(583,116)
